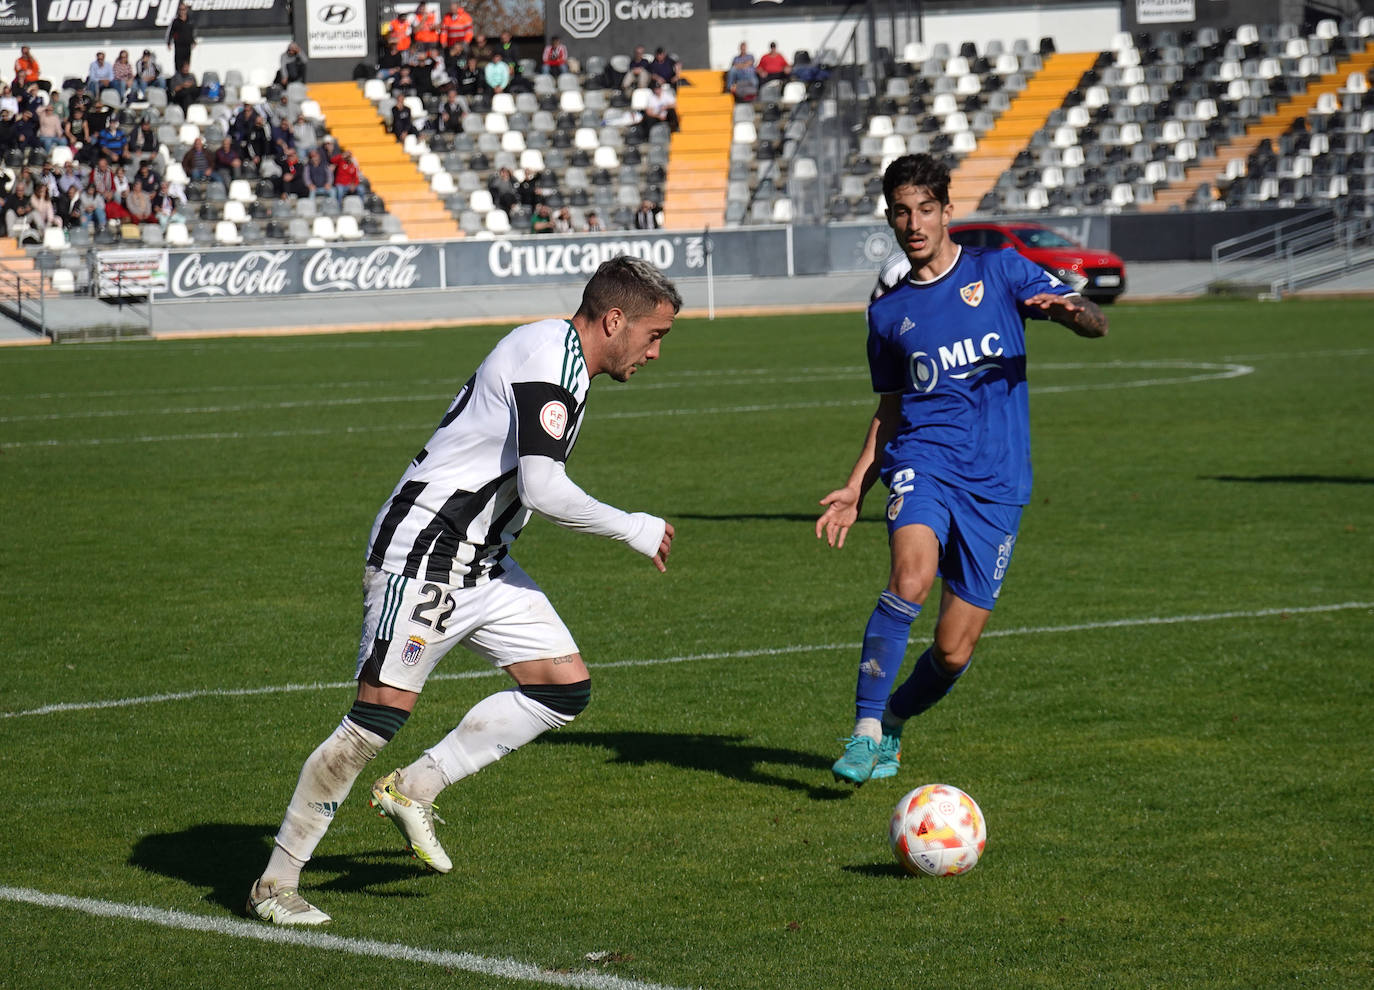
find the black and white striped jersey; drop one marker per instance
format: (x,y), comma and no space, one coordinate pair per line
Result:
(457,509)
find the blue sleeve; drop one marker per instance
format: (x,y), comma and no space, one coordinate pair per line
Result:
(884,369)
(1027,279)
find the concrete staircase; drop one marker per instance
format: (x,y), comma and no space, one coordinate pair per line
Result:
(391,173)
(699,154)
(977,174)
(1271,127)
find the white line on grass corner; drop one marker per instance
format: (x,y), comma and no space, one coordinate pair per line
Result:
(1158,620)
(509,969)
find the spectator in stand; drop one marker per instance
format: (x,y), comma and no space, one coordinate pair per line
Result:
(26,69)
(198,162)
(554,61)
(143,143)
(482,50)
(389,61)
(24,133)
(17,207)
(452,111)
(147,73)
(773,65)
(347,181)
(402,120)
(47,177)
(660,107)
(648,217)
(594,224)
(112,141)
(497,74)
(167,206)
(255,144)
(506,46)
(317,177)
(640,71)
(139,203)
(292,66)
(50,130)
(103,179)
(145,178)
(8,100)
(303,136)
(541,220)
(93,208)
(123,74)
(293,179)
(99,76)
(181,37)
(665,68)
(41,208)
(504,191)
(456,27)
(469,80)
(68,206)
(283,140)
(741,67)
(78,132)
(425,27)
(72,177)
(562,222)
(228,162)
(182,88)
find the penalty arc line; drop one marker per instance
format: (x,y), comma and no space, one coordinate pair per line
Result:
(1159,620)
(510,969)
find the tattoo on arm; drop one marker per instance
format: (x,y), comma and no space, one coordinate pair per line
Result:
(1089,321)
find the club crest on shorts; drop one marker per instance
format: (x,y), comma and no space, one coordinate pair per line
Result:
(972,293)
(554,418)
(414,649)
(894,506)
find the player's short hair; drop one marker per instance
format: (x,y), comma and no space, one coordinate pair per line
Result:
(630,285)
(917,170)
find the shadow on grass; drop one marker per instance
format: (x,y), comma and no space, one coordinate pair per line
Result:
(729,756)
(1293,479)
(883,871)
(226,859)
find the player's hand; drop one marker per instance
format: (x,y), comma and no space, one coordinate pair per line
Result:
(1048,300)
(665,547)
(841,512)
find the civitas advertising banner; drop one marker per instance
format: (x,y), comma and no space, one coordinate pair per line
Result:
(615,27)
(136,16)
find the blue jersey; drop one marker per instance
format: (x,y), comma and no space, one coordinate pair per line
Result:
(954,348)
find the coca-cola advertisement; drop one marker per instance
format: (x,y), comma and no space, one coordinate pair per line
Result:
(237,274)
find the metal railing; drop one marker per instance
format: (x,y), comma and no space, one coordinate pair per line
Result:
(1301,251)
(24,298)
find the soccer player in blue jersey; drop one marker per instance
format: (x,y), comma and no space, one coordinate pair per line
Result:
(950,440)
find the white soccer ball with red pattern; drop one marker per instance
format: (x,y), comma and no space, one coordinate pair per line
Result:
(937,830)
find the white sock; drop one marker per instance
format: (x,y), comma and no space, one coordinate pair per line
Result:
(871,727)
(325,781)
(493,727)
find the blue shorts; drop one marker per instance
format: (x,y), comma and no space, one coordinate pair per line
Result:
(976,537)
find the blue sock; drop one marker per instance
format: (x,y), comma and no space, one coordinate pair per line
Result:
(884,649)
(928,683)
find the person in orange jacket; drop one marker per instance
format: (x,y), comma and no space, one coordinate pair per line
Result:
(426,27)
(456,28)
(398,29)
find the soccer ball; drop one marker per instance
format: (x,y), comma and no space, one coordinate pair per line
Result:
(938,830)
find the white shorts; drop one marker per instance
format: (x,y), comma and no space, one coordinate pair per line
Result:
(409,624)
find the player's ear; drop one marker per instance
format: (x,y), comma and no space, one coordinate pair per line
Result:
(613,321)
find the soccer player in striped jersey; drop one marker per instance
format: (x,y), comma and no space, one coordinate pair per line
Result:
(439,573)
(950,440)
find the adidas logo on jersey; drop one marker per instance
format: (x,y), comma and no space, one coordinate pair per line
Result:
(906,325)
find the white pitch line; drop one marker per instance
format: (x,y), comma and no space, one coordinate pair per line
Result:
(508,969)
(1159,620)
(1210,372)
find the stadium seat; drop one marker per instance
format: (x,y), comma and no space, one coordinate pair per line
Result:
(54,239)
(428,163)
(227,232)
(63,280)
(442,184)
(323,229)
(347,228)
(177,234)
(241,190)
(497,222)
(374,89)
(235,211)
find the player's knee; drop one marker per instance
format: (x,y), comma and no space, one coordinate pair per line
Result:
(912,586)
(953,654)
(567,700)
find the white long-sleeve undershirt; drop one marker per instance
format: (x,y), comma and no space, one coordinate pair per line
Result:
(546,489)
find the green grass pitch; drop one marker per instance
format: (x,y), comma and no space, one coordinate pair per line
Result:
(1168,725)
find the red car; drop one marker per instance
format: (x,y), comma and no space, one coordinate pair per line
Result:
(1099,275)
